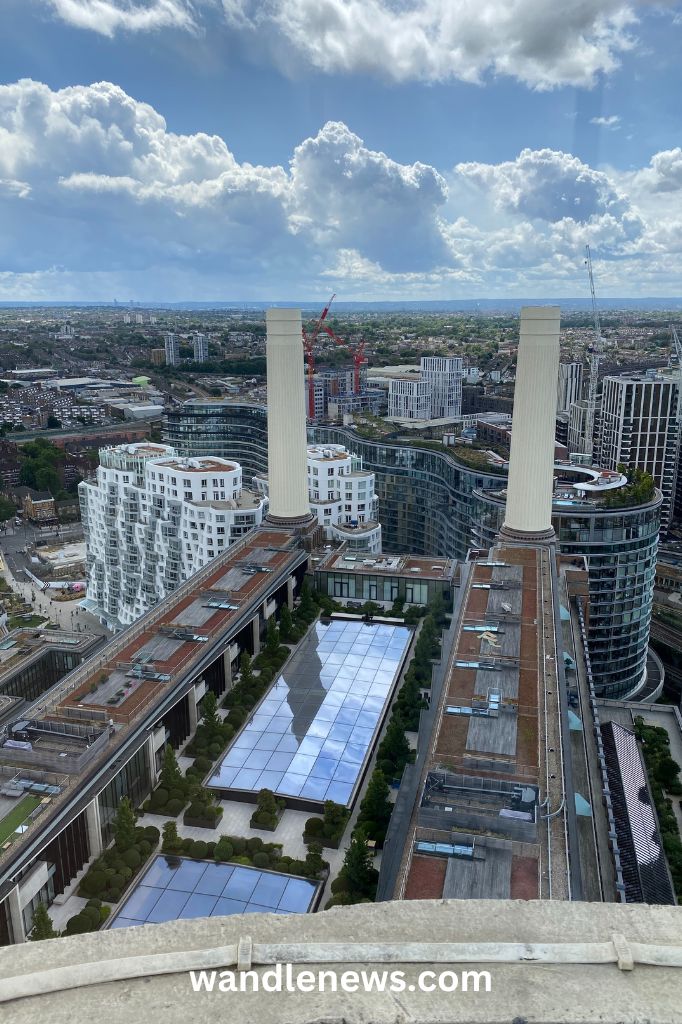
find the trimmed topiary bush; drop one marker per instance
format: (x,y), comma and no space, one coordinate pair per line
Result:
(200,850)
(261,860)
(173,808)
(132,858)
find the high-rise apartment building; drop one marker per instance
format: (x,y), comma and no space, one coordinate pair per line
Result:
(200,342)
(409,399)
(569,385)
(151,519)
(444,374)
(172,346)
(638,427)
(435,394)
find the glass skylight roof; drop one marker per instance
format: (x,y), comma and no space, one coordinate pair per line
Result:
(175,888)
(312,732)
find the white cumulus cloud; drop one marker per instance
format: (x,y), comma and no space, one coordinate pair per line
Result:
(110,16)
(97,194)
(539,42)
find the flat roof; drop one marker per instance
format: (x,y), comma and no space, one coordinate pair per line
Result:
(344,559)
(312,733)
(177,888)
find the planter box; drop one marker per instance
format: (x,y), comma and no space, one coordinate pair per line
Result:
(203,822)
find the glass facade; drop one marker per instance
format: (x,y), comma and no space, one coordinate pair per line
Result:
(230,430)
(425,497)
(175,889)
(134,781)
(620,546)
(38,676)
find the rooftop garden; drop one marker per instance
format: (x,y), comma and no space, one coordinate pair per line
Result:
(639,489)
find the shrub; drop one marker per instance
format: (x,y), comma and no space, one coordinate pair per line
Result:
(210,849)
(200,850)
(203,764)
(254,844)
(224,849)
(78,925)
(261,860)
(94,903)
(104,912)
(214,750)
(132,858)
(186,845)
(93,915)
(173,807)
(313,827)
(94,882)
(112,895)
(116,882)
(340,884)
(159,797)
(144,847)
(242,859)
(239,844)
(125,872)
(176,794)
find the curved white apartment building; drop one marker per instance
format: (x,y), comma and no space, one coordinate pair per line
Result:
(151,519)
(342,496)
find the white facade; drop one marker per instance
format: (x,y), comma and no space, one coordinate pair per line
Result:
(200,342)
(172,347)
(444,374)
(639,428)
(530,483)
(409,399)
(569,385)
(342,496)
(151,519)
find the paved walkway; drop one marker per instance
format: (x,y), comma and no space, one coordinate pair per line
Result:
(68,615)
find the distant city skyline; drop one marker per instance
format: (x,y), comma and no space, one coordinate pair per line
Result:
(242,150)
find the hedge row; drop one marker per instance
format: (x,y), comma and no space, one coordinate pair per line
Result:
(89,919)
(111,873)
(251,852)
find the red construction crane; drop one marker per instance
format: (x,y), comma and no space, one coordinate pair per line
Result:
(309,340)
(358,354)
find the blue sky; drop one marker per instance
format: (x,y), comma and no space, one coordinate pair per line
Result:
(238,149)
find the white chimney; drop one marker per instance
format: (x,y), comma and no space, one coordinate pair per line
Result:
(287,453)
(528,514)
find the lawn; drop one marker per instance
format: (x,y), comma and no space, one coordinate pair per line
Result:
(17,816)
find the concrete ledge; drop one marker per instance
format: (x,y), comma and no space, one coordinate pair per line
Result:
(522,990)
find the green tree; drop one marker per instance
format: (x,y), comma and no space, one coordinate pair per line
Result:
(7,508)
(42,925)
(171,777)
(171,840)
(53,423)
(375,806)
(357,866)
(307,607)
(285,624)
(209,709)
(124,825)
(394,746)
(245,669)
(272,636)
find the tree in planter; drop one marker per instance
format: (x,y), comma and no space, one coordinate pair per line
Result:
(42,925)
(267,810)
(394,748)
(171,777)
(171,840)
(375,809)
(124,825)
(245,670)
(307,608)
(357,866)
(272,637)
(209,712)
(285,624)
